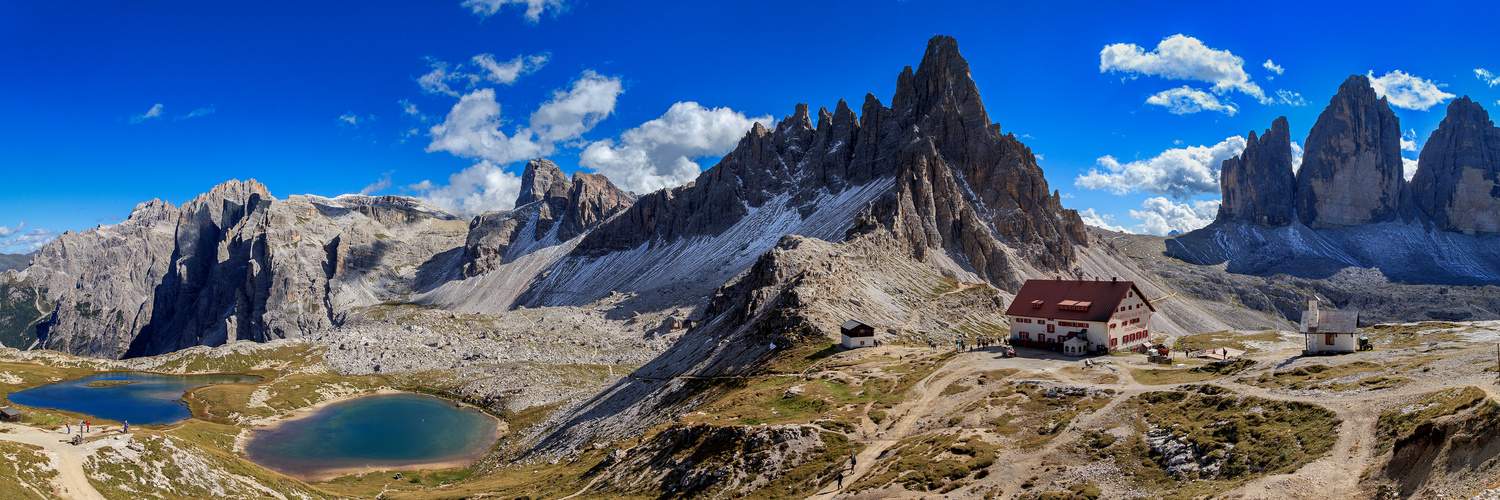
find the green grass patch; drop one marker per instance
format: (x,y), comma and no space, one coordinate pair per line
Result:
(1400,422)
(1306,377)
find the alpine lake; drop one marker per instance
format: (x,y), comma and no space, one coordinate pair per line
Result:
(373,432)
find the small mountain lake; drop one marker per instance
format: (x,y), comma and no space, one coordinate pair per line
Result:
(135,397)
(379,432)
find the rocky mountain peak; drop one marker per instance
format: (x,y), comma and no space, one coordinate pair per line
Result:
(1457,182)
(542,179)
(1351,165)
(1258,185)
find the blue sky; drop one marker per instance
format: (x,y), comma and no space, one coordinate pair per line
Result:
(110,104)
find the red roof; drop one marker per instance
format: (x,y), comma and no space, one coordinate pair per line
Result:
(1072,300)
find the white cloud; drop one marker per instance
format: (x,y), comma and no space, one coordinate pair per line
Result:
(1180,173)
(197,113)
(1273,67)
(534,8)
(153,113)
(27,242)
(1487,77)
(1160,216)
(1102,221)
(380,185)
(507,72)
(352,120)
(569,114)
(410,109)
(659,153)
(1180,57)
(1289,98)
(1186,100)
(1408,167)
(1408,91)
(478,189)
(6,232)
(1409,140)
(1296,157)
(436,81)
(472,130)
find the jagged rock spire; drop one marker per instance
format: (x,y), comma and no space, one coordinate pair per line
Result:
(1258,185)
(542,179)
(1457,182)
(1351,168)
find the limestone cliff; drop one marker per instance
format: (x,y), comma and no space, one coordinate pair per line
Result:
(234,263)
(1351,165)
(931,169)
(1258,185)
(1457,182)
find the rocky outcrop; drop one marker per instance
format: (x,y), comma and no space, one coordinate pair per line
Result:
(550,216)
(1258,185)
(1351,166)
(540,180)
(234,263)
(1457,182)
(959,190)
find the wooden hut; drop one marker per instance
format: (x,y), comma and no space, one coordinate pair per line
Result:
(854,334)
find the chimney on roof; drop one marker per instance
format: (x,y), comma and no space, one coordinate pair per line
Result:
(1114,278)
(1312,312)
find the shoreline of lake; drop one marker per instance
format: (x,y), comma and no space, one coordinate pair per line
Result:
(271,424)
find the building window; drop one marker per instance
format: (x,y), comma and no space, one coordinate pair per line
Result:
(1328,338)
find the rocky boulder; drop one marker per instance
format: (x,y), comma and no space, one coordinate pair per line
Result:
(1458,179)
(1258,185)
(1351,166)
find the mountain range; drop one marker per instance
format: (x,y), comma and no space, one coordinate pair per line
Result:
(1348,205)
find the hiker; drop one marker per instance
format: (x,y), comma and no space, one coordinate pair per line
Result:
(87,427)
(69,427)
(127,427)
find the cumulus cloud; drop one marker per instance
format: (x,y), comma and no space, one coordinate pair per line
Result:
(534,8)
(1408,168)
(1296,157)
(1180,57)
(6,232)
(478,189)
(150,114)
(1160,216)
(1408,91)
(1180,173)
(474,129)
(507,72)
(1289,98)
(1187,100)
(1487,77)
(436,81)
(1409,140)
(660,153)
(1273,67)
(569,114)
(26,242)
(1102,221)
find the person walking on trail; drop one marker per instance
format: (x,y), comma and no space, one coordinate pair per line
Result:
(69,427)
(127,427)
(87,427)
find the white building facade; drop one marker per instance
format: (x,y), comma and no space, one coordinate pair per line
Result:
(1108,315)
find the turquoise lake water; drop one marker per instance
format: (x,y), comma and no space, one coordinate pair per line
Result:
(386,431)
(153,399)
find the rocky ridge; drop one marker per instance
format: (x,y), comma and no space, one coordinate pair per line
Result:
(1258,185)
(1457,182)
(1351,163)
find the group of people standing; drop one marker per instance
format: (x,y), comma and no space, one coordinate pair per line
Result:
(84,427)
